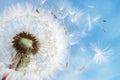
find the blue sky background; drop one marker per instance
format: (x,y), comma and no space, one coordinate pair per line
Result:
(89,29)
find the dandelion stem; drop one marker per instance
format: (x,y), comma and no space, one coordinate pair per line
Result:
(15,61)
(5,77)
(13,65)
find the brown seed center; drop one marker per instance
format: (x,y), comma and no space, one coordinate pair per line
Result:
(25,43)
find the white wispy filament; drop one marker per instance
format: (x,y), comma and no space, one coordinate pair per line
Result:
(51,36)
(89,23)
(102,53)
(99,57)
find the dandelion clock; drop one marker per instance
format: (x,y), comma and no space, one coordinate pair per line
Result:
(33,44)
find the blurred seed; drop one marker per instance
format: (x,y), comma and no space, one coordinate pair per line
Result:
(37,11)
(82,68)
(67,64)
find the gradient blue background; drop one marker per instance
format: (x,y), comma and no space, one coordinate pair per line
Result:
(108,10)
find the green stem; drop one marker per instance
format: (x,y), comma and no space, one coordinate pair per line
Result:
(25,60)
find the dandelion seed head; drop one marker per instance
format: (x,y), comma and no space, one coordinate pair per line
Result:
(43,29)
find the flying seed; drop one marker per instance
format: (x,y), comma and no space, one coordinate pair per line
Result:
(104,20)
(104,30)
